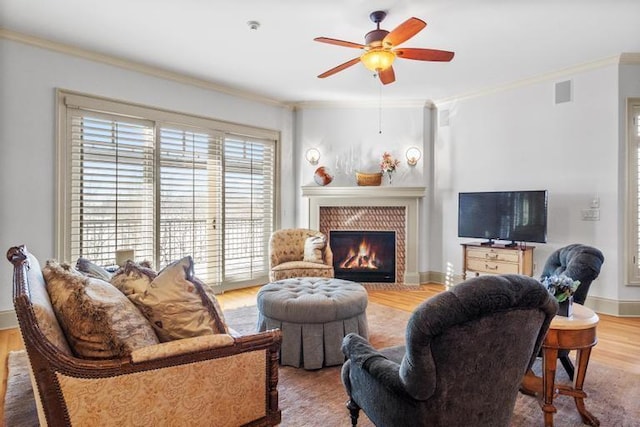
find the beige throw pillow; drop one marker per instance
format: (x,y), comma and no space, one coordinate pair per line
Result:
(98,320)
(133,278)
(313,247)
(178,305)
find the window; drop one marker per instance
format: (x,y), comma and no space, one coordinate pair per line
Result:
(165,185)
(248,209)
(633,135)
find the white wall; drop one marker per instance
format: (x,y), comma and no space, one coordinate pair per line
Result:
(28,79)
(349,140)
(521,140)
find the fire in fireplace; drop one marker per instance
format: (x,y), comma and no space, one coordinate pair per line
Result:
(364,256)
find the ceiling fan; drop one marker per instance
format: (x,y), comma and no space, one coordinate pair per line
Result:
(381,48)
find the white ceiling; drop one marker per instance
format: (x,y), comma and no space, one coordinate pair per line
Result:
(496,42)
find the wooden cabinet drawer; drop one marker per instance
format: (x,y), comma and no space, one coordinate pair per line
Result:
(497,259)
(493,254)
(488,266)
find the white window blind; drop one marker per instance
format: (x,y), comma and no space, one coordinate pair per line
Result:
(249,208)
(111,186)
(191,199)
(165,185)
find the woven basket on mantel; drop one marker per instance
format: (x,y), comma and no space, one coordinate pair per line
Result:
(363,178)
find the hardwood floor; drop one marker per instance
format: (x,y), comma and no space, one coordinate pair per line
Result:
(618,344)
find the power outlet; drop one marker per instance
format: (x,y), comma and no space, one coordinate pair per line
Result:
(591,214)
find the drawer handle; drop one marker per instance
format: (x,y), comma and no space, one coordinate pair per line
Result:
(491,256)
(490,268)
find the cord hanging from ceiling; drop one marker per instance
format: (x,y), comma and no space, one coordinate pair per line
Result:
(379,109)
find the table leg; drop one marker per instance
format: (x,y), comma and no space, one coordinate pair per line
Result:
(531,384)
(549,362)
(581,372)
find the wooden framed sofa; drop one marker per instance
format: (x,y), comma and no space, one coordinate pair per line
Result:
(217,379)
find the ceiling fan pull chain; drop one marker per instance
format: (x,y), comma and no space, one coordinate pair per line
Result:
(380,111)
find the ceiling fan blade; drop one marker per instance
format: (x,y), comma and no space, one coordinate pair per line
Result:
(424,54)
(387,76)
(339,42)
(404,32)
(339,68)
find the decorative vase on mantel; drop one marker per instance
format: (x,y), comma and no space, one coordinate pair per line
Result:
(390,176)
(565,308)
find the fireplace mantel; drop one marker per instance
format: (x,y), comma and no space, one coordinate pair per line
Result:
(363,191)
(408,198)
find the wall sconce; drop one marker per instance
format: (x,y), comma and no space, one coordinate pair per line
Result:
(312,155)
(413,155)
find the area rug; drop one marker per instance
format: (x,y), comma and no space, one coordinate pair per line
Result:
(317,398)
(375,286)
(19,404)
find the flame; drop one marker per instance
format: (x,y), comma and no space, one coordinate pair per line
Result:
(362,259)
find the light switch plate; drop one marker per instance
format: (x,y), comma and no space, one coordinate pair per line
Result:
(591,214)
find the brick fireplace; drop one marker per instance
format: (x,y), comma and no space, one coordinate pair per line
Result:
(372,209)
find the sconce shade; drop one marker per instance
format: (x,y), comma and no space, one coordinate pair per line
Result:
(312,155)
(378,59)
(413,155)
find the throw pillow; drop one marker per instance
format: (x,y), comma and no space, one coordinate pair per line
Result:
(133,278)
(313,247)
(98,320)
(178,305)
(92,270)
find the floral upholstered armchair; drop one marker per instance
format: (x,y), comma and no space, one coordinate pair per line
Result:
(219,378)
(299,252)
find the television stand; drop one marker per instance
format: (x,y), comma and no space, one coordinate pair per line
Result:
(487,243)
(503,245)
(480,258)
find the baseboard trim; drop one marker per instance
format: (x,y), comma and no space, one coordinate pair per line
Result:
(432,277)
(613,307)
(618,308)
(446,279)
(8,319)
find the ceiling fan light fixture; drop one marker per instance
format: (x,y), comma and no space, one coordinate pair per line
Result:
(381,48)
(378,59)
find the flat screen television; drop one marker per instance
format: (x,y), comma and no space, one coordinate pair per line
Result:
(516,216)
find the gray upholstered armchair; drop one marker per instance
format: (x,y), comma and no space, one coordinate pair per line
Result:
(580,262)
(466,353)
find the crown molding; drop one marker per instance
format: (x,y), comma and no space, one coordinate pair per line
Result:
(135,66)
(397,103)
(629,58)
(554,75)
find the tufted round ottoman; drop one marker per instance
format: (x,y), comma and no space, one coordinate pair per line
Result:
(314,314)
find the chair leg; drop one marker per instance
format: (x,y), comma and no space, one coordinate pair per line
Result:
(354,411)
(568,365)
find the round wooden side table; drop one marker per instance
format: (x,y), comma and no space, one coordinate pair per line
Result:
(577,332)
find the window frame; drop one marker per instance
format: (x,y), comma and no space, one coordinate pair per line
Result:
(632,253)
(66,98)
